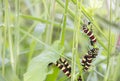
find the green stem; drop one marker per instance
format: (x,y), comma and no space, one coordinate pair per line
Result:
(4,41)
(109,46)
(29,30)
(64,24)
(50,17)
(75,56)
(41,20)
(7,23)
(109,37)
(17,34)
(69,10)
(7,29)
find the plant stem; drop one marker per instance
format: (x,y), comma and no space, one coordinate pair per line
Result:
(62,38)
(7,23)
(109,45)
(75,56)
(17,35)
(4,40)
(50,17)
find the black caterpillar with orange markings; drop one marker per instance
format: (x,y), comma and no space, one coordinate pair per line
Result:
(88,57)
(89,34)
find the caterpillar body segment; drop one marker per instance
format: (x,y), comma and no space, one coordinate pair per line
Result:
(64,66)
(79,78)
(89,34)
(88,58)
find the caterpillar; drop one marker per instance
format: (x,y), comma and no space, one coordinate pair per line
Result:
(65,63)
(88,57)
(89,34)
(79,78)
(64,66)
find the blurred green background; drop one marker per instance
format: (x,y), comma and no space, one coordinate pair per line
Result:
(34,33)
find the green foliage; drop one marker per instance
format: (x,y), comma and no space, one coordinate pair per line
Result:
(53,76)
(41,64)
(34,33)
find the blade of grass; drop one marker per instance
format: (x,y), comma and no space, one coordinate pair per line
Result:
(17,36)
(30,30)
(4,41)
(55,24)
(109,36)
(104,20)
(69,10)
(62,38)
(32,50)
(75,56)
(117,68)
(109,46)
(101,43)
(7,23)
(50,17)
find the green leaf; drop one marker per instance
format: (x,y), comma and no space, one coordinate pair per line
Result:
(53,76)
(38,67)
(63,78)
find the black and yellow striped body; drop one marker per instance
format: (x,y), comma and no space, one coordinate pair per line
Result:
(88,58)
(64,66)
(89,34)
